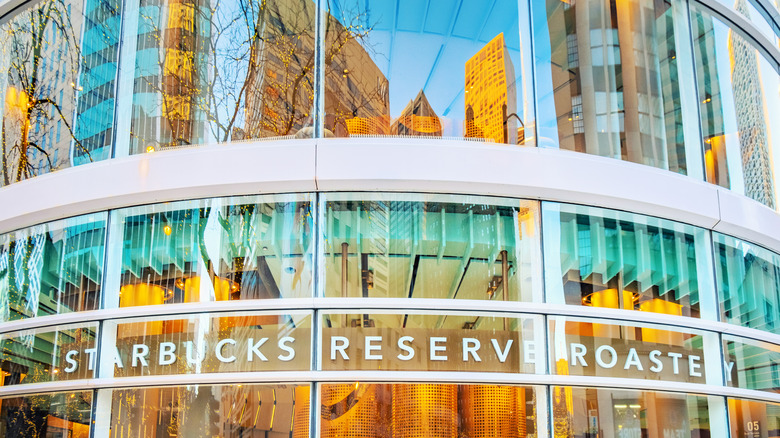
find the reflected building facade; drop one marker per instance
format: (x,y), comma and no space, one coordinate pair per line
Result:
(613,69)
(751,124)
(418,119)
(357,93)
(491,97)
(170,74)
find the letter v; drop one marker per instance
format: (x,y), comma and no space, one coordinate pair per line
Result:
(502,355)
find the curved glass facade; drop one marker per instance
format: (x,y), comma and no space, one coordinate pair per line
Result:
(344,313)
(370,305)
(623,80)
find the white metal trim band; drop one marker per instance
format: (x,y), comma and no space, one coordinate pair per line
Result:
(387,377)
(394,305)
(328,165)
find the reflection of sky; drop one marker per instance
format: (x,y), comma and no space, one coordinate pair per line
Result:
(424,45)
(770,85)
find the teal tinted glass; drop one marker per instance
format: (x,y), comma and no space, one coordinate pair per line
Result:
(220,249)
(52,268)
(748,283)
(607,258)
(417,246)
(751,364)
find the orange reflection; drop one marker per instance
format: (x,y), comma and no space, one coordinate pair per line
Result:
(490,96)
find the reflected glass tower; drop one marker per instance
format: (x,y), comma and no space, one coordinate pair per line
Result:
(491,99)
(751,124)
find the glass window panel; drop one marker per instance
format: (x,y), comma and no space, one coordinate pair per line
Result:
(48,354)
(62,414)
(751,364)
(632,414)
(212,250)
(431,410)
(208,343)
(635,52)
(416,341)
(738,95)
(217,72)
(230,411)
(52,268)
(57,71)
(604,348)
(450,69)
(753,419)
(613,259)
(417,246)
(748,283)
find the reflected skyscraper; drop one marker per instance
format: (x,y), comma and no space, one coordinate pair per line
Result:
(357,93)
(170,73)
(751,125)
(280,81)
(418,118)
(611,64)
(100,46)
(491,99)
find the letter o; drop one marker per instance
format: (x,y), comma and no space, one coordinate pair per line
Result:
(601,362)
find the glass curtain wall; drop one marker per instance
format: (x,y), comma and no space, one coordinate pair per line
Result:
(52,268)
(579,412)
(62,414)
(739,103)
(219,249)
(748,279)
(351,410)
(619,260)
(217,72)
(613,79)
(230,411)
(455,68)
(58,63)
(417,246)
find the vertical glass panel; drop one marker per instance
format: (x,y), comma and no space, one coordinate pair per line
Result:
(748,283)
(630,414)
(619,260)
(230,411)
(52,268)
(208,343)
(611,80)
(216,72)
(48,355)
(449,69)
(212,250)
(738,95)
(604,348)
(62,414)
(57,72)
(476,342)
(753,419)
(751,364)
(418,246)
(431,410)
